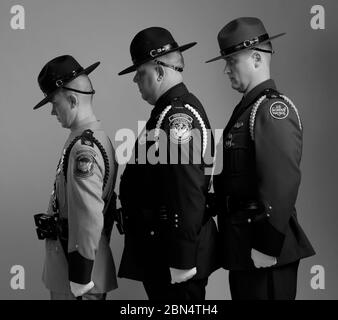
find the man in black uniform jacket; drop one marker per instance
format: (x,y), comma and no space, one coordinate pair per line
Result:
(169,239)
(256,192)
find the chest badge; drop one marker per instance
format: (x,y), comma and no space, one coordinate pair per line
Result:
(238,125)
(279,110)
(180,125)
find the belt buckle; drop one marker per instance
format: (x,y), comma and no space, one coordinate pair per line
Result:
(163,213)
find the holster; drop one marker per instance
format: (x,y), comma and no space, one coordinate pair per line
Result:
(120,223)
(211,207)
(108,217)
(50,226)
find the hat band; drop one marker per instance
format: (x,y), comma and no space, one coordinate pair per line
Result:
(245,44)
(157,52)
(61,82)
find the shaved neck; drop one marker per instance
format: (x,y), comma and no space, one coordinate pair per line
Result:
(171,77)
(82,102)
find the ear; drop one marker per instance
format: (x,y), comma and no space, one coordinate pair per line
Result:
(74,100)
(257,59)
(160,73)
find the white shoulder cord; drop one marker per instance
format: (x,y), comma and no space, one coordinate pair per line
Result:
(204,129)
(294,108)
(195,113)
(159,123)
(253,115)
(256,106)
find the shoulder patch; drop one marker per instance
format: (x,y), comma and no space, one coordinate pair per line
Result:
(180,125)
(87,138)
(279,110)
(84,164)
(87,142)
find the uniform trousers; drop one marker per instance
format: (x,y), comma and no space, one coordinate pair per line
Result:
(157,284)
(274,283)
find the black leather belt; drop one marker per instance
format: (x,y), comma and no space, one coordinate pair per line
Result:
(234,204)
(244,211)
(155,216)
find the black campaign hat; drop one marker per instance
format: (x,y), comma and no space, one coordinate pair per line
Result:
(240,34)
(57,73)
(150,44)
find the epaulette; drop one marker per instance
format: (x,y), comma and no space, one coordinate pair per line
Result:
(87,139)
(269,94)
(178,103)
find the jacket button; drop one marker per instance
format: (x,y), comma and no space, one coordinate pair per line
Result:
(267,215)
(228,144)
(152,233)
(270,208)
(176,220)
(176,215)
(249,220)
(176,225)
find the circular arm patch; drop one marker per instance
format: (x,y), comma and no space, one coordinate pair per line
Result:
(84,165)
(180,128)
(279,110)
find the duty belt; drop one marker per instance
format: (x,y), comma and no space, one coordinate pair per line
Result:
(240,210)
(234,204)
(153,216)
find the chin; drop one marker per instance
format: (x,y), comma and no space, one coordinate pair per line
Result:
(234,86)
(237,88)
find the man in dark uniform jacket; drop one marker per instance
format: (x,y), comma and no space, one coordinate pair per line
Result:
(256,192)
(170,239)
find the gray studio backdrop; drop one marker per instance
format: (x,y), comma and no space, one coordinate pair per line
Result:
(304,67)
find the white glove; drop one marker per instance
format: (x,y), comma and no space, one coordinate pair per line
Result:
(181,275)
(262,260)
(80,289)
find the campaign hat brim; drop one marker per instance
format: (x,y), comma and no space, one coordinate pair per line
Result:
(136,65)
(86,71)
(227,55)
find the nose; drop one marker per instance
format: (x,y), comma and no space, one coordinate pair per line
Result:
(53,113)
(135,78)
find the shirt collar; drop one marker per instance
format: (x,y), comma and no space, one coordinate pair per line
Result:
(166,98)
(254,93)
(93,125)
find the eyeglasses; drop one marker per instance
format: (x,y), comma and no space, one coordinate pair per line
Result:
(171,66)
(78,91)
(263,50)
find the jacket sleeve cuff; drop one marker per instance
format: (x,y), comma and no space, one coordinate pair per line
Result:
(267,239)
(80,268)
(182,255)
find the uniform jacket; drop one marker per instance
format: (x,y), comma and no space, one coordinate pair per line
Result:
(262,150)
(182,237)
(82,201)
